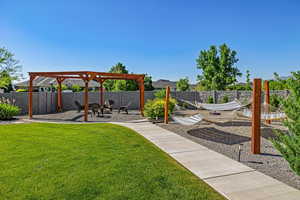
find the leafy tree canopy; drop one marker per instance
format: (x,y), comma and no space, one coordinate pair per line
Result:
(10,70)
(277,83)
(125,85)
(217,65)
(183,84)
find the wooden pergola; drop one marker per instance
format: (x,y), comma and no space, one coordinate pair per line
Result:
(86,76)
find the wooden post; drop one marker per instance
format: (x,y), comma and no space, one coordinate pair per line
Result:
(30,97)
(59,95)
(166,120)
(142,96)
(256,116)
(267,98)
(86,100)
(101,93)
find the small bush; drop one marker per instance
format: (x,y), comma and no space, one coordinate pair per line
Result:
(160,94)
(210,99)
(8,111)
(21,90)
(76,88)
(154,109)
(225,99)
(275,100)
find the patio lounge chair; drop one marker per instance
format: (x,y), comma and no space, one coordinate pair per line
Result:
(124,108)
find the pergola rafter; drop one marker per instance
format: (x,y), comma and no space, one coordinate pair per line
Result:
(86,76)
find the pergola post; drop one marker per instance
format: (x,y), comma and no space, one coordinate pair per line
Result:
(256,116)
(101,92)
(59,95)
(30,96)
(267,98)
(142,96)
(86,100)
(166,117)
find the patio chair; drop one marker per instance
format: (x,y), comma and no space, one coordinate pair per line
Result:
(94,107)
(110,104)
(124,108)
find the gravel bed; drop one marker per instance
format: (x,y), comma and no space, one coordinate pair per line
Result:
(225,137)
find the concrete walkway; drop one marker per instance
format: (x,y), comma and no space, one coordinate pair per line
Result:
(230,178)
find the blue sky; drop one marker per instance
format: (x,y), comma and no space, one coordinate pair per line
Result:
(161,38)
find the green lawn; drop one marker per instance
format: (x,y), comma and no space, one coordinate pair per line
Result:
(90,161)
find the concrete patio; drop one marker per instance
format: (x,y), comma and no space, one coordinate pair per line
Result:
(230,178)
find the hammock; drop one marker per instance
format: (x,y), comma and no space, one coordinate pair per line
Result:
(233,105)
(265,116)
(195,104)
(188,121)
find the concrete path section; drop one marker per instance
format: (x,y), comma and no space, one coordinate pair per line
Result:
(229,177)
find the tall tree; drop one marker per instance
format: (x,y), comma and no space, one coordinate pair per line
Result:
(125,85)
(119,85)
(289,143)
(277,83)
(248,80)
(217,65)
(183,84)
(10,70)
(148,83)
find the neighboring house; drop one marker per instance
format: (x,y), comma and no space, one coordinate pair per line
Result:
(163,83)
(42,84)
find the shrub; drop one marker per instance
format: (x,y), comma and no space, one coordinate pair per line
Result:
(76,88)
(154,109)
(63,87)
(21,90)
(275,101)
(288,144)
(8,111)
(225,99)
(160,94)
(210,99)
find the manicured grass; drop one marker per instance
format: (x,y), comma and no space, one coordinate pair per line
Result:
(90,161)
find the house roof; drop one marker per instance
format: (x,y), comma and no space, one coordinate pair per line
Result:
(48,82)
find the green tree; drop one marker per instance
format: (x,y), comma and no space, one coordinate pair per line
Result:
(128,85)
(248,80)
(117,85)
(76,88)
(183,84)
(217,65)
(289,143)
(148,83)
(63,87)
(10,70)
(277,83)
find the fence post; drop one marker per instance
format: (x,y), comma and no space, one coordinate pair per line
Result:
(256,116)
(166,120)
(215,97)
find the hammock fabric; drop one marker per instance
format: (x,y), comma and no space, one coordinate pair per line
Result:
(265,116)
(233,105)
(188,121)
